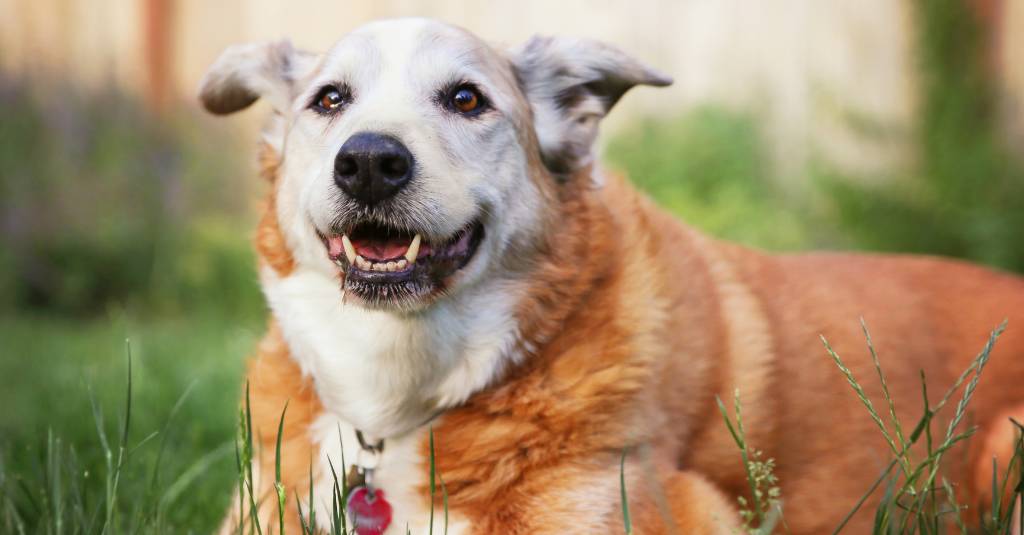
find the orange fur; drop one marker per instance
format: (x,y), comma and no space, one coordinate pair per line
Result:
(270,245)
(274,381)
(634,323)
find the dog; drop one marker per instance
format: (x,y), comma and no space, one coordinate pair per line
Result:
(456,288)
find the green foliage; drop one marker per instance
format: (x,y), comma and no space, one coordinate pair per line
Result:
(965,196)
(106,204)
(918,499)
(54,448)
(708,167)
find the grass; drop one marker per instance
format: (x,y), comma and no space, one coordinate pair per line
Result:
(763,511)
(75,457)
(912,502)
(160,462)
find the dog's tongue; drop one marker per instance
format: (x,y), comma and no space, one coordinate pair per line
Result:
(381,249)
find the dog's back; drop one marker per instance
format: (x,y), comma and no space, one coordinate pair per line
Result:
(764,316)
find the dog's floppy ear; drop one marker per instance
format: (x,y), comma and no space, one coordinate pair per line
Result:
(246,72)
(571,84)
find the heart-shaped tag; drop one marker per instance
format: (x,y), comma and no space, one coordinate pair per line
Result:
(369,511)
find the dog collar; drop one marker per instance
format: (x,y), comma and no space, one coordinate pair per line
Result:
(366,506)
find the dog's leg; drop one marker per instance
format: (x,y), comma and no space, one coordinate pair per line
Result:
(685,504)
(273,381)
(995,443)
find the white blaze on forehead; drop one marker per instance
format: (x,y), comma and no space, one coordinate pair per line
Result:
(406,62)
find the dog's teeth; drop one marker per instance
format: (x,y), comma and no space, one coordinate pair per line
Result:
(392,266)
(413,250)
(361,263)
(350,252)
(401,264)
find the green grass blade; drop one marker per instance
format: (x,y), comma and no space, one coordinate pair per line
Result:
(859,390)
(198,468)
(312,510)
(302,516)
(241,485)
(898,429)
(626,520)
(281,494)
(954,506)
(340,523)
(254,517)
(344,482)
(433,469)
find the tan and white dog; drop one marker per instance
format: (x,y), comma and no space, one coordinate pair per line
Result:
(439,252)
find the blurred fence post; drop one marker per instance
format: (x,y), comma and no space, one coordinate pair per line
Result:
(158,25)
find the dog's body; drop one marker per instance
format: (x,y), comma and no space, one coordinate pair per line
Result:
(578,322)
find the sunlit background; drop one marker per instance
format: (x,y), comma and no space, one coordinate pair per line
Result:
(126,215)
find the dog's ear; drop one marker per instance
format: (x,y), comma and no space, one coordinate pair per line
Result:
(246,72)
(571,84)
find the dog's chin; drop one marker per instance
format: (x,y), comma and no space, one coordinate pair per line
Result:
(389,268)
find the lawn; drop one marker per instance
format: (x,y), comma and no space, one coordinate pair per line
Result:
(186,376)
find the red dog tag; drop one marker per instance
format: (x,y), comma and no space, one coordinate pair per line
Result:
(369,511)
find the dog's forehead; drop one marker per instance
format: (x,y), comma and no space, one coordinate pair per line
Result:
(412,44)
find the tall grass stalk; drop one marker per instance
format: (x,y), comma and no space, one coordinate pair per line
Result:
(765,512)
(918,500)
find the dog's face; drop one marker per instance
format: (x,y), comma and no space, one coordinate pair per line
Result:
(417,159)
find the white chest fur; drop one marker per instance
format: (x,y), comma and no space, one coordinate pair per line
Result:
(387,374)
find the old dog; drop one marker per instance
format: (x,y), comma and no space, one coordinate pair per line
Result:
(450,275)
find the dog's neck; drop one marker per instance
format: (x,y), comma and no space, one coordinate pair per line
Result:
(388,373)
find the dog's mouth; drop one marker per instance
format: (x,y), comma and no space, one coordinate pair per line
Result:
(389,266)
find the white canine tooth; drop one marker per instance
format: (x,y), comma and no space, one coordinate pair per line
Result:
(401,264)
(391,266)
(414,249)
(350,252)
(361,263)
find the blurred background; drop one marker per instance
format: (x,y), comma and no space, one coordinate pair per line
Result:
(126,215)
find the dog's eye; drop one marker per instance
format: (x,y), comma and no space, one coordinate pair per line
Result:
(329,99)
(467,100)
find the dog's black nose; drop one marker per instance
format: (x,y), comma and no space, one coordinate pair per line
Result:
(372,167)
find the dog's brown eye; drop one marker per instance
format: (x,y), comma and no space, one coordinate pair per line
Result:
(466,100)
(329,99)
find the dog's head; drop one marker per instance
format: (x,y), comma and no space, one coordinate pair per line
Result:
(416,159)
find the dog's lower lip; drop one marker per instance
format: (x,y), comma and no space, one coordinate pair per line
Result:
(394,261)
